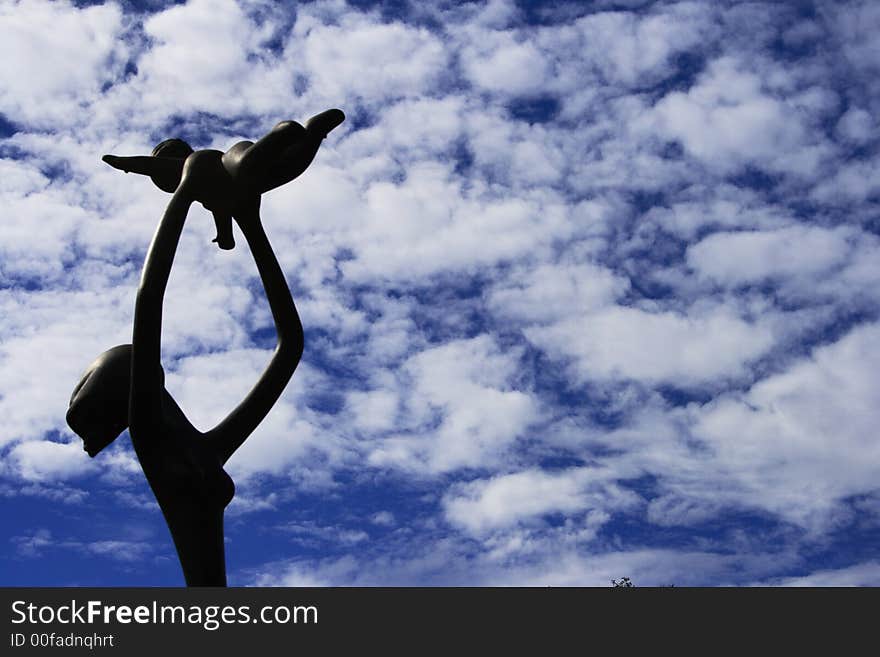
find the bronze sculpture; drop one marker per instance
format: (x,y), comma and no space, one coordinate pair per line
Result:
(124,387)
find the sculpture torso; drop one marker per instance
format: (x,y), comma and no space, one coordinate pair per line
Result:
(177,460)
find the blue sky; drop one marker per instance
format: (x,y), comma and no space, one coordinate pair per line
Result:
(590,289)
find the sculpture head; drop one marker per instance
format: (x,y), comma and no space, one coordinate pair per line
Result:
(174,148)
(98,410)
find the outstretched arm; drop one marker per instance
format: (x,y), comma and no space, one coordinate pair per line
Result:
(229,435)
(165,171)
(298,155)
(281,155)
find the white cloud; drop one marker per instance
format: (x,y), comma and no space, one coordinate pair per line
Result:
(39,243)
(372,62)
(429,224)
(231,72)
(856,181)
(374,410)
(507,500)
(549,292)
(751,256)
(862,574)
(209,386)
(655,347)
(728,119)
(383,519)
(795,446)
(856,125)
(854,25)
(54,58)
(447,562)
(413,128)
(310,533)
(497,13)
(242,503)
(125,551)
(461,406)
(54,491)
(725,207)
(498,63)
(192,75)
(40,460)
(31,546)
(52,336)
(626,48)
(801,441)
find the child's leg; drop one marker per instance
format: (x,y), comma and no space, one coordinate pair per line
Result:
(223,224)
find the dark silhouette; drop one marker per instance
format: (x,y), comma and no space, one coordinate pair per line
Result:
(124,387)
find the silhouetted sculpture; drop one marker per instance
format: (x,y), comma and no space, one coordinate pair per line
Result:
(124,387)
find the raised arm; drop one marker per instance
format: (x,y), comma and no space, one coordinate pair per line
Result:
(229,435)
(145,397)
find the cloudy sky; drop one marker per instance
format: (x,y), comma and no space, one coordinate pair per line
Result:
(590,290)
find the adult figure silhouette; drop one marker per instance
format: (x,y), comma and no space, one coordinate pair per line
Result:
(124,387)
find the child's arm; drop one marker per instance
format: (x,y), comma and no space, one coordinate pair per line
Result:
(282,154)
(165,171)
(297,157)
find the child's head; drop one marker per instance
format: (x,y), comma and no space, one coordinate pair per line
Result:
(174,148)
